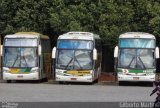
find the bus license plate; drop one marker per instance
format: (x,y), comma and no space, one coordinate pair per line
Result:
(135,78)
(73,78)
(20,76)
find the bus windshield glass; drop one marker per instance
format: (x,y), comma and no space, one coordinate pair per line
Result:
(75,44)
(74,59)
(21,42)
(20,57)
(136,58)
(137,43)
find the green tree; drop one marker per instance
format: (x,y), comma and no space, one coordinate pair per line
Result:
(108,18)
(24,15)
(7,11)
(154,22)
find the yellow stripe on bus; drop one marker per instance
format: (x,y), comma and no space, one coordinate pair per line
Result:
(79,73)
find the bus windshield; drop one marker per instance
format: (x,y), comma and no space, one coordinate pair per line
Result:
(74,59)
(20,57)
(136,43)
(136,58)
(74,44)
(32,42)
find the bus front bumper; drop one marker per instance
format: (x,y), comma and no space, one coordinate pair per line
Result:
(149,78)
(74,78)
(30,76)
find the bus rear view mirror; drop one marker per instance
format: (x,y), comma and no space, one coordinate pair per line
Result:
(54,53)
(116,52)
(39,50)
(1,50)
(157,53)
(94,54)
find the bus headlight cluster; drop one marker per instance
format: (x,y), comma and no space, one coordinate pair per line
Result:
(150,73)
(5,70)
(59,73)
(121,73)
(87,75)
(35,69)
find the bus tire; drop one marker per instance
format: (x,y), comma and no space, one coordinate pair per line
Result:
(39,81)
(151,84)
(61,82)
(96,81)
(121,83)
(9,81)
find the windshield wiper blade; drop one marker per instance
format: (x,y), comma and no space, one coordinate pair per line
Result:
(15,60)
(25,60)
(69,63)
(78,63)
(131,61)
(75,60)
(142,62)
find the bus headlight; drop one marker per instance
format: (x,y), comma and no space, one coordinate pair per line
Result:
(58,73)
(6,70)
(87,74)
(34,69)
(120,73)
(150,74)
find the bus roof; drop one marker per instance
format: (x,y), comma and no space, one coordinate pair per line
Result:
(137,35)
(79,35)
(27,35)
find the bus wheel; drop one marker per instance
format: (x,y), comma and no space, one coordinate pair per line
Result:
(121,83)
(61,82)
(96,81)
(38,81)
(150,84)
(8,81)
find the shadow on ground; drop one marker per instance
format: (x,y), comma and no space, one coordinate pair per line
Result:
(143,84)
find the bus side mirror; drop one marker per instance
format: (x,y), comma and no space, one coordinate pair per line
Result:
(94,54)
(39,50)
(116,52)
(1,50)
(54,53)
(157,53)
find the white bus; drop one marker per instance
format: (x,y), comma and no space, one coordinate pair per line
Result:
(136,56)
(26,56)
(77,57)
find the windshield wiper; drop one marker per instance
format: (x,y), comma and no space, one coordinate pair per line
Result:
(69,63)
(15,60)
(75,60)
(25,60)
(137,62)
(78,63)
(131,61)
(142,62)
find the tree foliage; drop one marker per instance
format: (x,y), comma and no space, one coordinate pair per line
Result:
(22,15)
(108,18)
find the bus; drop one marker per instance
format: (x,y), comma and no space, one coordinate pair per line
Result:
(26,56)
(135,57)
(77,57)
